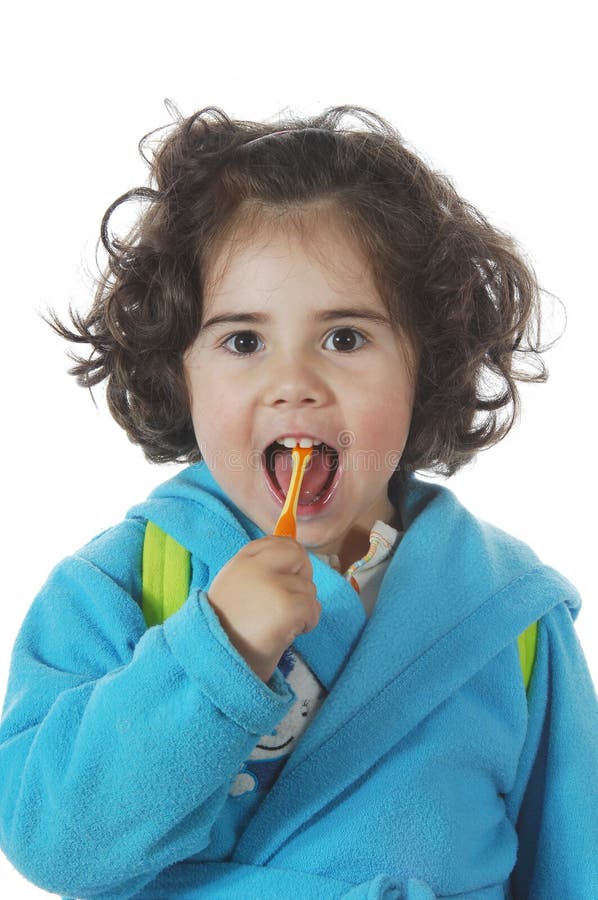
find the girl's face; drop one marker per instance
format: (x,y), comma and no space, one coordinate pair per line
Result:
(298,343)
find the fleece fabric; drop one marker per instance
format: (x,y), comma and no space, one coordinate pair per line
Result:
(271,753)
(426,772)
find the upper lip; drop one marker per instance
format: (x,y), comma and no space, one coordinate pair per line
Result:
(298,435)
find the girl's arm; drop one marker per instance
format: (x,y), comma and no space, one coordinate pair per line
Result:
(118,744)
(555,800)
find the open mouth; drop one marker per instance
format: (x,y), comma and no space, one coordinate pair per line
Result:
(319,481)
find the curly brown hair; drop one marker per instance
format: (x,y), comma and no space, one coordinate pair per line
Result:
(458,287)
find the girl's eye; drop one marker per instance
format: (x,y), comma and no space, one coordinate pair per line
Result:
(243,343)
(345,340)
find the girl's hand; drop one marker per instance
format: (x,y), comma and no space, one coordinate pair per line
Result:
(264,597)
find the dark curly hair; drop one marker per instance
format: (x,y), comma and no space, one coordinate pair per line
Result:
(458,287)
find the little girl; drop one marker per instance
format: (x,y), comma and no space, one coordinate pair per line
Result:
(393,705)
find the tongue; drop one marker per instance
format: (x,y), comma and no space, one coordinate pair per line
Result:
(318,470)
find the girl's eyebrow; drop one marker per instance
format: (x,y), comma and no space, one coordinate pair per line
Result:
(326,315)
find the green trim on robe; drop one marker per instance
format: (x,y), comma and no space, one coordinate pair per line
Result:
(165,575)
(527,651)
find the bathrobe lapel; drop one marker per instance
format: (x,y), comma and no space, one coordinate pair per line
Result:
(455,594)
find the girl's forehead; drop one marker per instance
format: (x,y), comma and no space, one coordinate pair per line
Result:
(321,250)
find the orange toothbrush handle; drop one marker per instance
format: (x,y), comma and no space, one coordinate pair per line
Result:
(287,523)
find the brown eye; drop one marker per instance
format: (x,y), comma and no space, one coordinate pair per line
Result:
(243,343)
(345,339)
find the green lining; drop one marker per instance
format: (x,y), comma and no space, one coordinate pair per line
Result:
(166,575)
(527,651)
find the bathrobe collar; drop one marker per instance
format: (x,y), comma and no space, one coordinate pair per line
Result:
(446,566)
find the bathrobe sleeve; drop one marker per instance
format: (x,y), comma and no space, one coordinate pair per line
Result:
(118,743)
(555,800)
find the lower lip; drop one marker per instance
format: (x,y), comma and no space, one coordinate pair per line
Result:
(308,510)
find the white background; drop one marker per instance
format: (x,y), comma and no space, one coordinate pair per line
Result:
(499,96)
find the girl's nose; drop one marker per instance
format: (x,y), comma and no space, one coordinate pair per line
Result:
(297,383)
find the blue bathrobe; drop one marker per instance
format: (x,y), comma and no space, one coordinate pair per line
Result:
(426,773)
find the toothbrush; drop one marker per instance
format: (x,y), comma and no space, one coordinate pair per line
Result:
(287,523)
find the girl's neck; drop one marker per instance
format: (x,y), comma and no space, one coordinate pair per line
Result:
(356,542)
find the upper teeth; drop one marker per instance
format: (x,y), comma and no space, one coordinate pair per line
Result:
(291,442)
